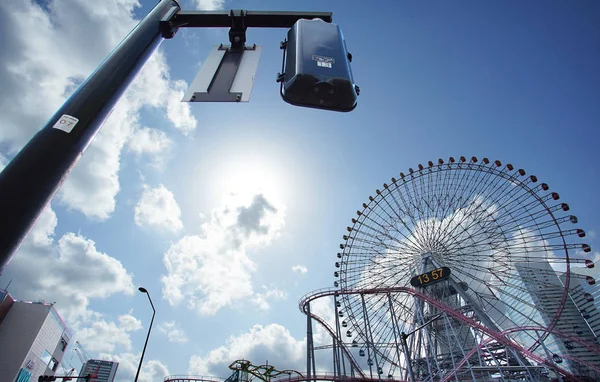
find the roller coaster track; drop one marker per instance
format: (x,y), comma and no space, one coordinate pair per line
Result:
(191,378)
(331,377)
(500,337)
(536,329)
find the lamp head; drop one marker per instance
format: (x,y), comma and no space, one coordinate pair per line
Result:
(143,290)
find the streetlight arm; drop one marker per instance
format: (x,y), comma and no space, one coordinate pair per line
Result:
(151,304)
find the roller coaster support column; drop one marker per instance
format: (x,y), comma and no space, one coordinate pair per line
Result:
(337,353)
(403,337)
(394,324)
(29,181)
(310,349)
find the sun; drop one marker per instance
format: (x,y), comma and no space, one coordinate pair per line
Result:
(246,176)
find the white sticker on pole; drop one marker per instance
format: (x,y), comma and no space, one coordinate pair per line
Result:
(66,123)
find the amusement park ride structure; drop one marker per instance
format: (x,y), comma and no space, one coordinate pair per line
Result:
(459,270)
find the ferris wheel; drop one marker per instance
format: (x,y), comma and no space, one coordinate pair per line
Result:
(460,270)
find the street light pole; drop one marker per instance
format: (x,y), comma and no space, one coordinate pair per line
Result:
(144,290)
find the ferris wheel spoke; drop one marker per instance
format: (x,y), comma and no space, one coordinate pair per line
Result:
(518,212)
(500,206)
(406,204)
(452,230)
(437,195)
(379,233)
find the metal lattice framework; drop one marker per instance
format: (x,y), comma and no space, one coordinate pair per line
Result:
(509,243)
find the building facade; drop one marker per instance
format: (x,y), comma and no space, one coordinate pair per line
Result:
(585,293)
(33,339)
(102,371)
(547,290)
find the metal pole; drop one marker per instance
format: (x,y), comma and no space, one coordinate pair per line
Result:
(336,354)
(31,179)
(403,337)
(143,290)
(309,344)
(394,325)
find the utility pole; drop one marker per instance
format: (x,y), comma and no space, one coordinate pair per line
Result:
(35,174)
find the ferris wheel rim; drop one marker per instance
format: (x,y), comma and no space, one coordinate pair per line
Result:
(498,170)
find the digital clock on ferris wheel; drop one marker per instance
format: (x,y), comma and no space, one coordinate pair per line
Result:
(431,277)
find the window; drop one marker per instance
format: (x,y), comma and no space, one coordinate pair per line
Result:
(53,364)
(63,344)
(46,357)
(49,361)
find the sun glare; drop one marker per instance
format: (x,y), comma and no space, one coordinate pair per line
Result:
(248,176)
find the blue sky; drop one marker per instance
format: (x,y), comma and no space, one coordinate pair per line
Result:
(514,81)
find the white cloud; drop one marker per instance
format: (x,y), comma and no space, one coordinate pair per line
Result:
(261,299)
(56,49)
(209,5)
(129,323)
(157,208)
(107,336)
(70,271)
(272,342)
(212,270)
(173,332)
(152,370)
(300,269)
(179,112)
(151,142)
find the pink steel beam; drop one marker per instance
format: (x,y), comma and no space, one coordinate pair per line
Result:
(538,329)
(331,377)
(191,378)
(555,332)
(501,338)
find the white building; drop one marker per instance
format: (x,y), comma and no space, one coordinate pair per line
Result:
(102,371)
(587,296)
(547,290)
(33,339)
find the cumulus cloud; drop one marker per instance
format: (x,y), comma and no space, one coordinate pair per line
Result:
(129,323)
(60,45)
(150,142)
(107,336)
(157,208)
(272,342)
(300,269)
(173,332)
(212,270)
(152,370)
(70,271)
(262,299)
